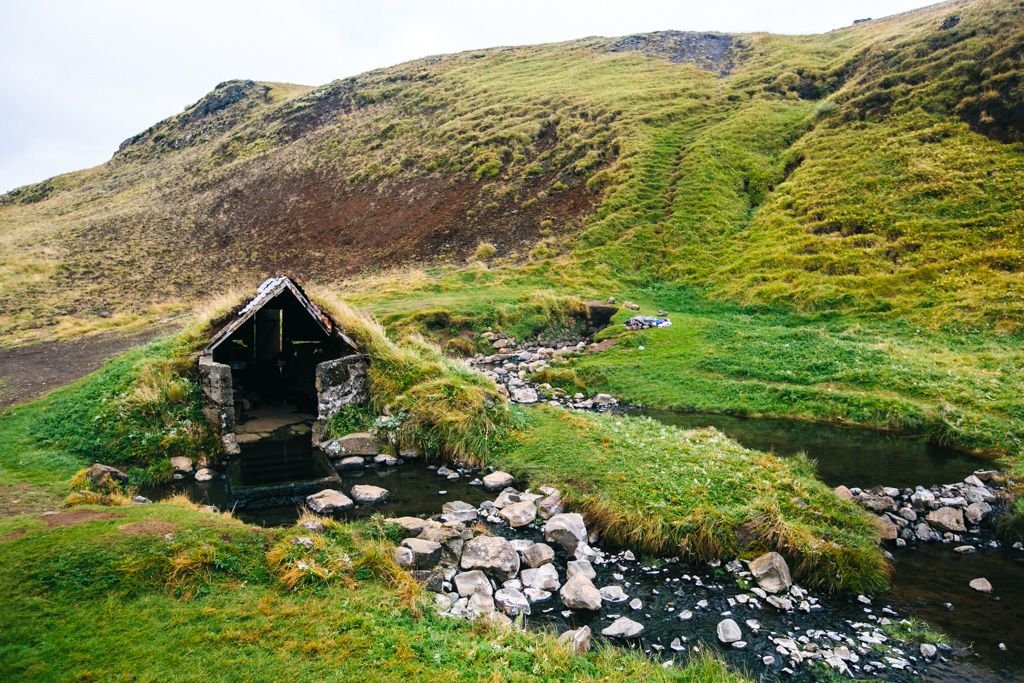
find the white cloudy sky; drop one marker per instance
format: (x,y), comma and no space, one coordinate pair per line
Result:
(77,78)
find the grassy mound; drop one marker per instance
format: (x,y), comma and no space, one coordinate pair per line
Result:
(664,490)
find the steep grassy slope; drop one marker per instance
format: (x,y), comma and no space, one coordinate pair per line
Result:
(873,168)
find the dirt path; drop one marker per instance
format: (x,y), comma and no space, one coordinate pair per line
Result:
(30,371)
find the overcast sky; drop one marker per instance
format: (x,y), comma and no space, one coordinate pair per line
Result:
(77,78)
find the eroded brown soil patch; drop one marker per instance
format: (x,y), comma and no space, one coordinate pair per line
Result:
(12,535)
(73,517)
(149,527)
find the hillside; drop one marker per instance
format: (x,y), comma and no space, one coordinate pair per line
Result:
(874,168)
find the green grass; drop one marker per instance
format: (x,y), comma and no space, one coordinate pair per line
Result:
(699,494)
(206,606)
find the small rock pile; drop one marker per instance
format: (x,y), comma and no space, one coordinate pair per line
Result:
(512,363)
(942,514)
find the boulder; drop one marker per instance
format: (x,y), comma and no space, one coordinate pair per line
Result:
(426,553)
(518,514)
(728,631)
(405,558)
(458,511)
(359,443)
(496,481)
(536,595)
(386,460)
(578,639)
(328,501)
(580,567)
(205,474)
(947,519)
(550,505)
(771,572)
(366,494)
(623,627)
(887,529)
(579,592)
(566,530)
(922,499)
(981,585)
(877,504)
(411,525)
(480,605)
(544,578)
(844,492)
(524,394)
(512,601)
(613,594)
(352,462)
(100,475)
(492,554)
(976,512)
(539,554)
(181,463)
(468,583)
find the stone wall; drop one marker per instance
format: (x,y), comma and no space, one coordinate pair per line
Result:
(219,400)
(340,382)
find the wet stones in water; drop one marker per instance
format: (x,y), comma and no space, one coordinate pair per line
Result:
(538,554)
(498,480)
(328,501)
(566,530)
(492,554)
(579,592)
(366,494)
(544,577)
(771,572)
(981,585)
(728,631)
(613,594)
(352,462)
(519,514)
(947,519)
(623,627)
(386,460)
(458,511)
(580,567)
(358,443)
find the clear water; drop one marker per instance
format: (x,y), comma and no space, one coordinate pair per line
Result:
(849,456)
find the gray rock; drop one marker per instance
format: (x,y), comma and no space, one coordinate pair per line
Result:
(468,583)
(496,481)
(981,585)
(779,602)
(887,529)
(566,530)
(524,394)
(366,494)
(205,474)
(544,577)
(728,631)
(179,463)
(771,572)
(458,511)
(579,592)
(550,505)
(518,514)
(426,553)
(141,500)
(922,499)
(411,525)
(512,602)
(976,512)
(328,501)
(623,627)
(928,651)
(537,595)
(405,558)
(352,462)
(359,443)
(947,519)
(613,594)
(584,567)
(578,639)
(492,554)
(480,605)
(386,460)
(539,554)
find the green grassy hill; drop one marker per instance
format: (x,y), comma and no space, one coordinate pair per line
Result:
(876,168)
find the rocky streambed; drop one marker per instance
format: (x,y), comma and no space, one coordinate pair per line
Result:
(540,565)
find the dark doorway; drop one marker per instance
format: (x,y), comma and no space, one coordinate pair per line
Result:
(274,354)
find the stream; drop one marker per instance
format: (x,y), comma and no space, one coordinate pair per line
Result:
(928,577)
